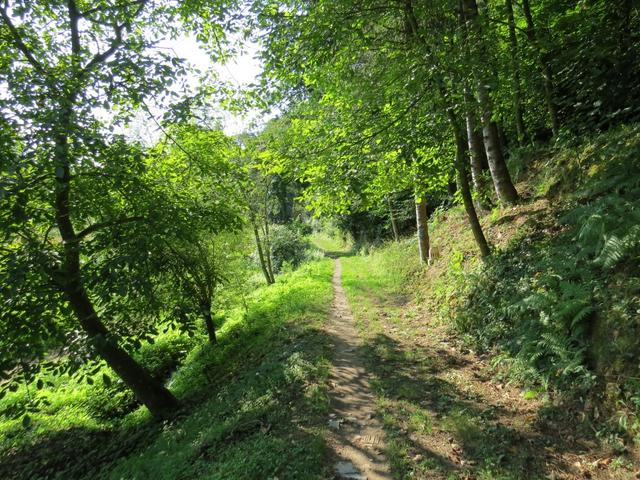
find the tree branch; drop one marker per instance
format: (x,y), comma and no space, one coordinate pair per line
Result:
(74,17)
(99,58)
(117,41)
(98,226)
(19,43)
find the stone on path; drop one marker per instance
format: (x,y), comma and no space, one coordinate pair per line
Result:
(348,471)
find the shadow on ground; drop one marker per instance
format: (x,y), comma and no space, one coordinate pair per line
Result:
(440,426)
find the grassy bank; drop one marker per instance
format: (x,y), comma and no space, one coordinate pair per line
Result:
(254,403)
(550,321)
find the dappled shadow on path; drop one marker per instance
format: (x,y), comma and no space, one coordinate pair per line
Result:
(443,417)
(357,440)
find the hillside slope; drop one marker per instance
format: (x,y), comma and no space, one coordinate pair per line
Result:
(254,404)
(526,365)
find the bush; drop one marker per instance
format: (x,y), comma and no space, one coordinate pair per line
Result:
(287,246)
(113,401)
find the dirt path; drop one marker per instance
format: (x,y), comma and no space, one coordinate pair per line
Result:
(357,438)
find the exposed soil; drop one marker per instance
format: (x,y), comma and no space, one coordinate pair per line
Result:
(357,439)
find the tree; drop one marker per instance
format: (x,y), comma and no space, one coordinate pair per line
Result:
(200,269)
(474,36)
(518,109)
(371,93)
(200,257)
(545,69)
(258,202)
(76,191)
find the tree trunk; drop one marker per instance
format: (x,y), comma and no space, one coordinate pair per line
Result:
(460,159)
(497,166)
(515,72)
(423,229)
(499,173)
(150,392)
(263,263)
(545,69)
(267,251)
(463,181)
(209,324)
(478,155)
(394,222)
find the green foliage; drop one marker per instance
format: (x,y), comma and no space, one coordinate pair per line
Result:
(330,239)
(609,230)
(288,246)
(85,213)
(268,369)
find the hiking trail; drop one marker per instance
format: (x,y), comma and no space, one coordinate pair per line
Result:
(357,438)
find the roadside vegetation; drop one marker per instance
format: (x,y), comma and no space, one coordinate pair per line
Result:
(254,403)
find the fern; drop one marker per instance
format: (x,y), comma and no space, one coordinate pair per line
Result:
(608,230)
(591,234)
(616,248)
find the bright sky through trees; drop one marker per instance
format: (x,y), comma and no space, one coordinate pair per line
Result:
(237,73)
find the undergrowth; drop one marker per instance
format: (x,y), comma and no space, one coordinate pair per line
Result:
(559,304)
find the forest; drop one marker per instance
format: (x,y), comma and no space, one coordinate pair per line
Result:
(419,260)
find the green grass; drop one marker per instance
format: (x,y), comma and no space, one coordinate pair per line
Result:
(416,399)
(384,273)
(331,242)
(254,404)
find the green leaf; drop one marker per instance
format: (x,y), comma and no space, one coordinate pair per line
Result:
(39,384)
(106,380)
(530,394)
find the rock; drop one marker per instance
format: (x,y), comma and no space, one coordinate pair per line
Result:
(348,471)
(335,424)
